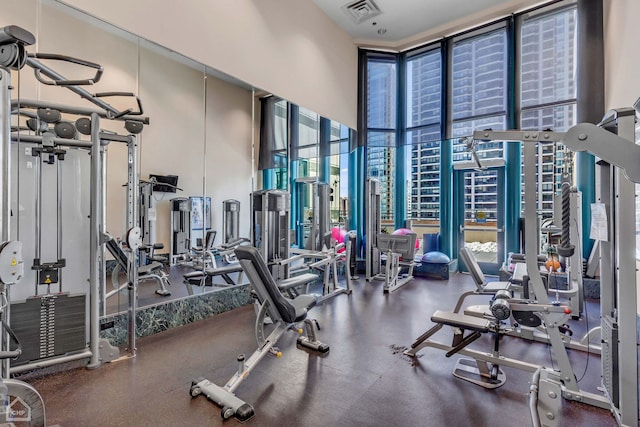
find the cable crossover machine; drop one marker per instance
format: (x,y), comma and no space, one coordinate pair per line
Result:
(58,319)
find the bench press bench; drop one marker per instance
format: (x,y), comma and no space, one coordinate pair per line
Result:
(285,314)
(205,278)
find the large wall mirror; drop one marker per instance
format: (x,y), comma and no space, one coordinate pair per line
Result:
(197,158)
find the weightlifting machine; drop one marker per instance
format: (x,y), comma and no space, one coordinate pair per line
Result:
(289,266)
(225,251)
(230,220)
(285,314)
(325,261)
(519,282)
(52,141)
(617,169)
(398,249)
(612,140)
(25,397)
(13,42)
(373,227)
(180,239)
(148,214)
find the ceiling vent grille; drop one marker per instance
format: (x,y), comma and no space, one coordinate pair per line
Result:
(361,10)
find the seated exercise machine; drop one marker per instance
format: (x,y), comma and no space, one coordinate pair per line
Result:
(520,282)
(154,270)
(326,262)
(285,314)
(202,255)
(483,368)
(271,235)
(224,252)
(613,142)
(482,288)
(205,276)
(400,251)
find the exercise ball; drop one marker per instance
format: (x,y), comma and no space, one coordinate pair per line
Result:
(338,234)
(435,257)
(404,231)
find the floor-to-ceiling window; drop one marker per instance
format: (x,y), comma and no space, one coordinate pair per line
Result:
(478,94)
(304,149)
(381,130)
(484,90)
(548,91)
(423,104)
(479,101)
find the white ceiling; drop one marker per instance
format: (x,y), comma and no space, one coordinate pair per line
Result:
(405,21)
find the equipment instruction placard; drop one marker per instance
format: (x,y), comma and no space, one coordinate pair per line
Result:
(599,224)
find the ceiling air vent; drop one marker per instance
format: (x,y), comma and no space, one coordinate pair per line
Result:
(361,10)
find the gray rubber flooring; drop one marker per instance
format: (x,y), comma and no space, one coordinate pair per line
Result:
(365,380)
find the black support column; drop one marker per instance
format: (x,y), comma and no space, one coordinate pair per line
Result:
(590,97)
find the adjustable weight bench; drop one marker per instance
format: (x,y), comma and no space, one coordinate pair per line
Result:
(154,270)
(205,277)
(285,314)
(482,286)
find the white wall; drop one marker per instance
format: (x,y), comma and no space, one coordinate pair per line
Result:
(622,59)
(228,130)
(287,47)
(174,100)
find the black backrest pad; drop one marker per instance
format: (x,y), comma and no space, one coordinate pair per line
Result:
(210,238)
(117,253)
(473,266)
(286,310)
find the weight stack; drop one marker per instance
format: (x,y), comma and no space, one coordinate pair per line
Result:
(49,325)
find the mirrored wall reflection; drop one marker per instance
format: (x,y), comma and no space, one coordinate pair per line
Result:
(307,155)
(195,172)
(194,156)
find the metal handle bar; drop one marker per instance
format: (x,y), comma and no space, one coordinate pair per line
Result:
(128,111)
(64,58)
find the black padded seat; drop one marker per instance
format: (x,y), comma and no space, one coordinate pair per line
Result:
(477,275)
(213,271)
(295,281)
(461,321)
(151,267)
(291,310)
(303,303)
